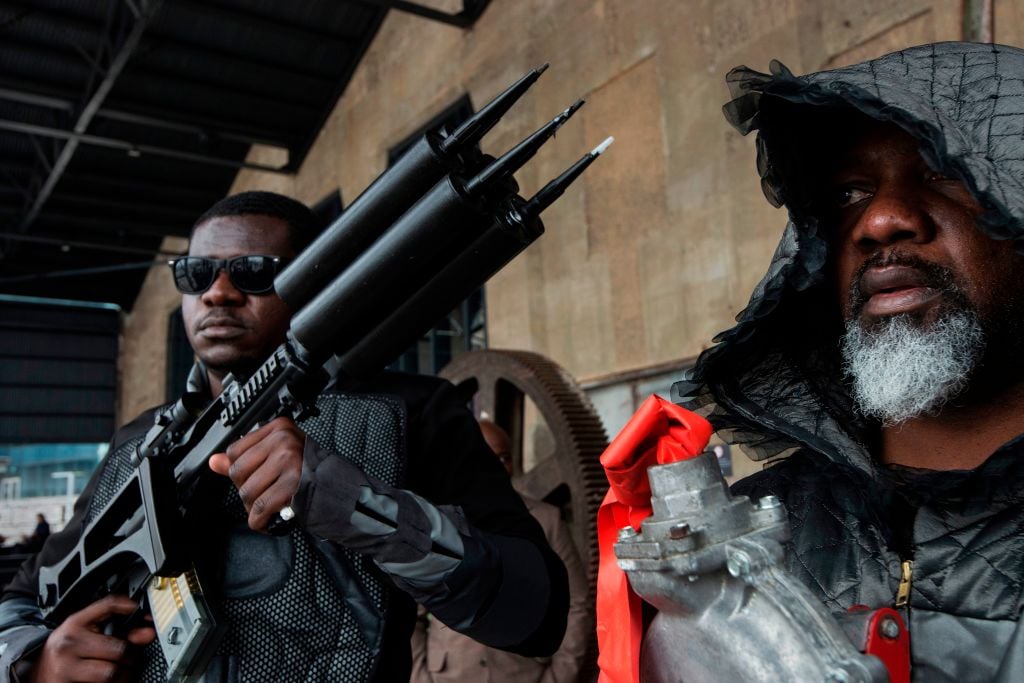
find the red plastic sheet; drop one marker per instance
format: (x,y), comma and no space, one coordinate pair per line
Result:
(659,433)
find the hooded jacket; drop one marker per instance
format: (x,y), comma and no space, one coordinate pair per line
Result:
(773,383)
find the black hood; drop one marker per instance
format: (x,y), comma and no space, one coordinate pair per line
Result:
(773,382)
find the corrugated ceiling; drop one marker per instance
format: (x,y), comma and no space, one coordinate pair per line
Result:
(122,120)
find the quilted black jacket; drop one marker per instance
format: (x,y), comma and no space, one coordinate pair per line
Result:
(772,383)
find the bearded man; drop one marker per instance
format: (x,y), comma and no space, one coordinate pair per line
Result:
(882,351)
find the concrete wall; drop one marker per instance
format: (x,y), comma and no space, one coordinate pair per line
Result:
(660,244)
(144,340)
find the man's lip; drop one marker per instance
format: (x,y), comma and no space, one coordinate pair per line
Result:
(221,327)
(890,290)
(900,301)
(220,321)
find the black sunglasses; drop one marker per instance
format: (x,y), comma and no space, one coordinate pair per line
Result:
(250,274)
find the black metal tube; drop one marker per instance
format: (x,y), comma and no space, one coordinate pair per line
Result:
(388,197)
(475,127)
(391,270)
(380,205)
(509,234)
(514,159)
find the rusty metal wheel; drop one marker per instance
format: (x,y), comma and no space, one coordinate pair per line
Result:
(565,471)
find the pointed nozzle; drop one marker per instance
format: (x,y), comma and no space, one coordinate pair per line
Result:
(514,159)
(553,190)
(475,127)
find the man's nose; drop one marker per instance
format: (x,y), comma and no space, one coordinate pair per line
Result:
(894,215)
(222,292)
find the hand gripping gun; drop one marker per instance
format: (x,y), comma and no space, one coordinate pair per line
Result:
(416,242)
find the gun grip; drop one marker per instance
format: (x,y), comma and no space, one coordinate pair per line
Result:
(119,626)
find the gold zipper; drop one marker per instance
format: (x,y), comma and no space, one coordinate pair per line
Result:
(903,592)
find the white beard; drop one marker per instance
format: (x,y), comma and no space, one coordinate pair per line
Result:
(901,371)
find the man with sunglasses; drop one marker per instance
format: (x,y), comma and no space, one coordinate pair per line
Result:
(335,598)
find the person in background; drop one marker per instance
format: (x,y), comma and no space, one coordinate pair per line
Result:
(33,542)
(442,655)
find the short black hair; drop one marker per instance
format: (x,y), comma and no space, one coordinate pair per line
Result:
(303,225)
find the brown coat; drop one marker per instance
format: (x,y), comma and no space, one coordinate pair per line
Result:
(440,655)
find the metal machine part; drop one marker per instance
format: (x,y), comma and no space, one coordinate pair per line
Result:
(712,565)
(569,473)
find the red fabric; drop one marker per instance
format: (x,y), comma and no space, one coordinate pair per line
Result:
(659,433)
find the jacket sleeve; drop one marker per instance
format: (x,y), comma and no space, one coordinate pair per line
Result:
(459,540)
(524,609)
(22,627)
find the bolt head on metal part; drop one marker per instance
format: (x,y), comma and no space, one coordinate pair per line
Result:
(678,531)
(889,628)
(626,533)
(768,503)
(738,564)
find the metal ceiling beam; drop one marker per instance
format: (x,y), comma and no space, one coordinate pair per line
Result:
(92,246)
(35,99)
(183,122)
(173,213)
(169,193)
(59,220)
(12,93)
(471,11)
(132,149)
(85,117)
(79,272)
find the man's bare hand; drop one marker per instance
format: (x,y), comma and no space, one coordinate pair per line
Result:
(78,650)
(265,466)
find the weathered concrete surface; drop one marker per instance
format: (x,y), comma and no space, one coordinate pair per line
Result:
(143,366)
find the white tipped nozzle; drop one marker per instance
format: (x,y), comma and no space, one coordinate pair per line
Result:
(603,146)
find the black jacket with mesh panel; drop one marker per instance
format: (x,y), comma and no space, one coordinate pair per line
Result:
(300,608)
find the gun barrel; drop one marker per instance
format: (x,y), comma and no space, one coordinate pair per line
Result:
(471,131)
(514,159)
(515,226)
(509,234)
(380,205)
(547,195)
(390,271)
(389,196)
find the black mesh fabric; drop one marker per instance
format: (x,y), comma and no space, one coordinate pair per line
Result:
(771,383)
(305,631)
(117,469)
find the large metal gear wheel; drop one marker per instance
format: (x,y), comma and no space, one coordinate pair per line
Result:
(569,475)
